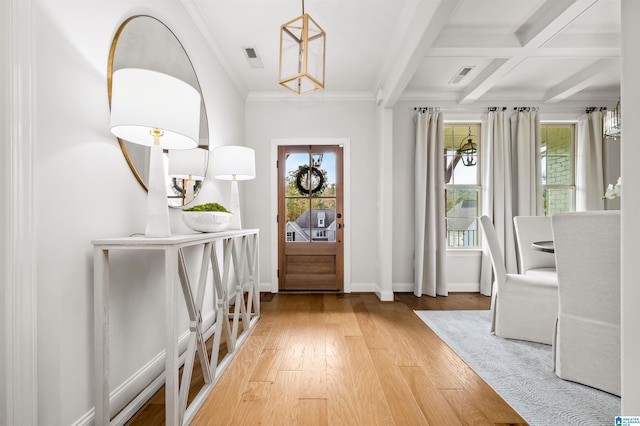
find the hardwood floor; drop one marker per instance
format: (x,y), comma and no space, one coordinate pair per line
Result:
(348,359)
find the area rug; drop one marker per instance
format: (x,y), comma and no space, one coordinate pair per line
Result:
(521,372)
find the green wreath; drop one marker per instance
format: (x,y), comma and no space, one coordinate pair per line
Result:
(301,176)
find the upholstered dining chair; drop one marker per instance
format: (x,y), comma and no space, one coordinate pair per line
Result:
(587,341)
(530,229)
(523,307)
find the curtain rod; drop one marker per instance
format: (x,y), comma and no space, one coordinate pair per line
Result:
(591,109)
(425,109)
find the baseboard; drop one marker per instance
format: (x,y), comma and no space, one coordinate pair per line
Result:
(265,288)
(363,288)
(464,288)
(120,397)
(355,288)
(403,287)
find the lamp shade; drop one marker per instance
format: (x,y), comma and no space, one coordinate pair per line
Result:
(188,163)
(234,163)
(143,100)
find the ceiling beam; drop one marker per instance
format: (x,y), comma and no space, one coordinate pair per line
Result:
(581,80)
(550,19)
(424,27)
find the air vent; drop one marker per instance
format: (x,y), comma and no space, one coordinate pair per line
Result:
(251,53)
(462,73)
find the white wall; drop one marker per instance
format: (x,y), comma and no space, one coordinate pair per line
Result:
(4,194)
(305,118)
(630,291)
(84,190)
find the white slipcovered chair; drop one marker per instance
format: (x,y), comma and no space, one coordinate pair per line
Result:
(587,335)
(523,307)
(530,229)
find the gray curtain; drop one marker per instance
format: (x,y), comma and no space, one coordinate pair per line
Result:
(496,183)
(589,170)
(526,174)
(511,181)
(430,236)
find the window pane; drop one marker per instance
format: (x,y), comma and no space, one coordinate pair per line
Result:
(461,156)
(297,216)
(556,155)
(296,167)
(462,217)
(558,200)
(323,220)
(323,176)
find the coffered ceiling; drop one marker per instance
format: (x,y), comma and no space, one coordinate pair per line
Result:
(543,51)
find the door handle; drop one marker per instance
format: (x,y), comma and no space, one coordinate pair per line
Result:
(339,226)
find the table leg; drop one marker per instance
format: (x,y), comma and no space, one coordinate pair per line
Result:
(171,345)
(101,334)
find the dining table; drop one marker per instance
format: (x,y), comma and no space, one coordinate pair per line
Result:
(545,246)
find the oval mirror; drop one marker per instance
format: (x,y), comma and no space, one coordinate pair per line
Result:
(145,42)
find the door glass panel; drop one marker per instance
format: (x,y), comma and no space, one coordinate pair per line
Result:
(297,215)
(323,178)
(323,225)
(295,177)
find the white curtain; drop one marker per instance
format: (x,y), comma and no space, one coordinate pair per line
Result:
(526,176)
(589,172)
(430,235)
(495,154)
(511,181)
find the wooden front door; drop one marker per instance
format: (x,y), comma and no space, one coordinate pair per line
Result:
(310,218)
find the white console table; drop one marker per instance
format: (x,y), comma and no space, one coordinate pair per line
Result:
(240,255)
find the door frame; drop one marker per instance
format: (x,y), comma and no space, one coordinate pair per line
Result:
(346,183)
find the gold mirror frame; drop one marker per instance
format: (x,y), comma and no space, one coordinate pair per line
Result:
(143,41)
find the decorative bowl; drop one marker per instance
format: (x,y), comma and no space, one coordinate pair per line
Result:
(203,221)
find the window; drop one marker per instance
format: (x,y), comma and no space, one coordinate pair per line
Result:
(462,188)
(557,158)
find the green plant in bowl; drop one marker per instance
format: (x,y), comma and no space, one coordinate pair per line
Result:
(210,217)
(208,207)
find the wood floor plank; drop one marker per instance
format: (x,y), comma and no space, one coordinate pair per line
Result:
(314,366)
(228,391)
(434,405)
(374,409)
(402,404)
(267,366)
(342,406)
(281,409)
(252,408)
(312,412)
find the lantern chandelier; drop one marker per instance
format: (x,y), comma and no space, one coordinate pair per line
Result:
(302,55)
(468,150)
(612,123)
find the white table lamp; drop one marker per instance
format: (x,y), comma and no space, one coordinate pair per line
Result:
(188,165)
(234,163)
(157,110)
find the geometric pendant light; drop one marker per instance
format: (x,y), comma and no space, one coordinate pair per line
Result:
(302,55)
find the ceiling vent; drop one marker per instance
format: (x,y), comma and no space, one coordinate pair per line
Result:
(462,73)
(251,53)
